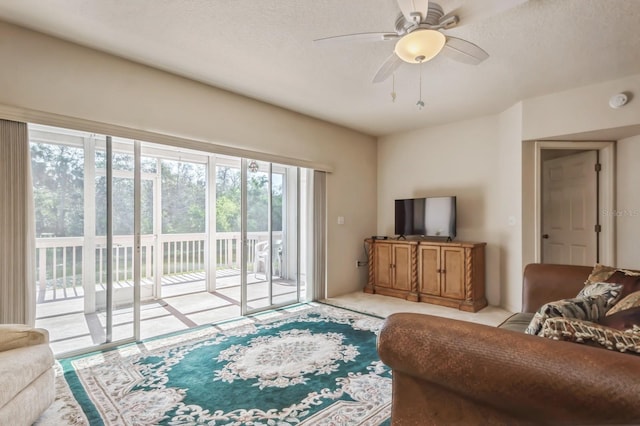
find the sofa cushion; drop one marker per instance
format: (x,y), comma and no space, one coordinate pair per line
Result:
(581,331)
(622,320)
(517,322)
(592,303)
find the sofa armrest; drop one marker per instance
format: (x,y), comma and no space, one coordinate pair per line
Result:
(525,377)
(544,283)
(14,336)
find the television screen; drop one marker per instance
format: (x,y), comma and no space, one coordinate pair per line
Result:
(410,215)
(430,217)
(440,217)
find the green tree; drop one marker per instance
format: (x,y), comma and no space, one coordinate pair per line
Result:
(228,211)
(183,197)
(227,199)
(123,197)
(58,186)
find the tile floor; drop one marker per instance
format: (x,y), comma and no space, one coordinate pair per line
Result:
(187,305)
(384,306)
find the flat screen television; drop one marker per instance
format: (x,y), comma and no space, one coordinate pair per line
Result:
(429,217)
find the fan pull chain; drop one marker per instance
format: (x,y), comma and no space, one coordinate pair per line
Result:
(420,103)
(393,87)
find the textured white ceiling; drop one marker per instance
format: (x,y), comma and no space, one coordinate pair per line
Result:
(264,49)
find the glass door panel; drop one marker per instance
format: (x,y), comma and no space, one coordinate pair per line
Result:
(284,226)
(183,232)
(73,177)
(257,237)
(63,183)
(270,232)
(115,305)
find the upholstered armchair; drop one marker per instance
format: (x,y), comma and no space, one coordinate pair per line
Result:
(26,374)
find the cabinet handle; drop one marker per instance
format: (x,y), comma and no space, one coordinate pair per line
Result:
(443,271)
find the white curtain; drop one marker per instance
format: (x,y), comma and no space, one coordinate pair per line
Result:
(17,226)
(319,235)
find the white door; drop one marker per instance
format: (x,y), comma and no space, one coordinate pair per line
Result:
(569,209)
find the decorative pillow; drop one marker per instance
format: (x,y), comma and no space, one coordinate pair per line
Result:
(609,274)
(630,301)
(609,291)
(592,303)
(566,308)
(599,274)
(579,331)
(622,320)
(630,281)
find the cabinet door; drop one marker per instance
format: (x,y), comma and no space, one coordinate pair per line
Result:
(383,264)
(402,266)
(429,270)
(452,264)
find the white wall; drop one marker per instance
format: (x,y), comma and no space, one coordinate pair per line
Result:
(571,113)
(40,73)
(628,202)
(489,164)
(460,159)
(510,202)
(580,110)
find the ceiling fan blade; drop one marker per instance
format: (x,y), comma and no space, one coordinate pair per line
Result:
(414,6)
(359,37)
(463,51)
(473,10)
(390,65)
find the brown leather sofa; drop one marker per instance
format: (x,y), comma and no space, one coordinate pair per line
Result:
(449,372)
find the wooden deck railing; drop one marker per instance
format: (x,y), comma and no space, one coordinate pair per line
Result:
(59,260)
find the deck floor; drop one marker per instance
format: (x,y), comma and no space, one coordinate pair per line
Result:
(185,303)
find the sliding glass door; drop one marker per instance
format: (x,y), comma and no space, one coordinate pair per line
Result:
(136,239)
(270,233)
(117,232)
(87,191)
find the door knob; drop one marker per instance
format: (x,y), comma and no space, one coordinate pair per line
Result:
(545,236)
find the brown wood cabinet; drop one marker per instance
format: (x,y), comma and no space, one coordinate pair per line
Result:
(452,274)
(443,273)
(394,271)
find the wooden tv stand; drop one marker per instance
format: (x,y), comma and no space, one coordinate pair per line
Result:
(443,273)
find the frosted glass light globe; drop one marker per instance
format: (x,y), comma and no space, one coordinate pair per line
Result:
(420,46)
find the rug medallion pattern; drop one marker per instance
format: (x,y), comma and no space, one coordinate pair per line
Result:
(310,364)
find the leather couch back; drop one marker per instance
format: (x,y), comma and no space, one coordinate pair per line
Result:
(543,283)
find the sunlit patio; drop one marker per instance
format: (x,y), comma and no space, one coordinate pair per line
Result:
(185,303)
(174,291)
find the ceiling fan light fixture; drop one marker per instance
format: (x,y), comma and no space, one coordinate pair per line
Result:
(420,45)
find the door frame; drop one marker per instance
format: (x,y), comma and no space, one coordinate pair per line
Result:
(606,193)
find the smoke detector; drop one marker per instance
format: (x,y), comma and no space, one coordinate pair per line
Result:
(618,101)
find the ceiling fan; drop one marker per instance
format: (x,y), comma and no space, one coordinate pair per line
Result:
(418,31)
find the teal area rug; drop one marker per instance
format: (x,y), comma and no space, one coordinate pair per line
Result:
(310,364)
